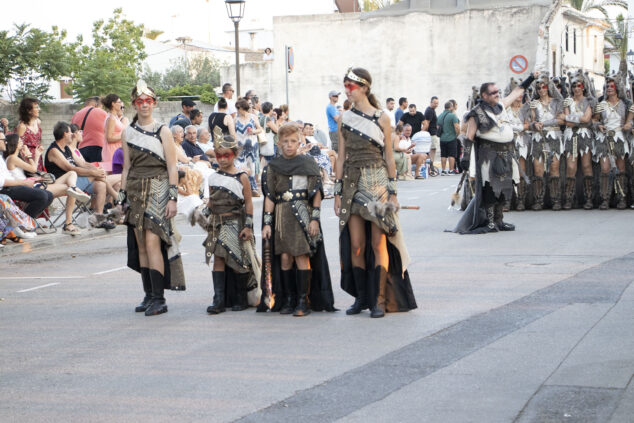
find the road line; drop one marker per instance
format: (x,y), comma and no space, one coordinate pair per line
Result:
(111,270)
(12,278)
(38,287)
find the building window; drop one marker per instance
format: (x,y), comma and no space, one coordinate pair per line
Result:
(566,38)
(574,40)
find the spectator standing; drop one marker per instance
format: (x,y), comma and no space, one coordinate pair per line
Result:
(112,103)
(414,119)
(267,152)
(389,110)
(29,128)
(91,121)
(431,126)
(402,108)
(333,119)
(227,94)
(246,129)
(450,125)
(187,105)
(222,119)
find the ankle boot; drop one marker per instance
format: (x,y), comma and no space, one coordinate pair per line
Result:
(605,191)
(570,192)
(498,212)
(621,179)
(303,288)
(555,193)
(157,306)
(506,206)
(377,283)
(538,192)
(521,195)
(289,294)
(361,301)
(218,305)
(588,188)
(490,211)
(147,288)
(240,300)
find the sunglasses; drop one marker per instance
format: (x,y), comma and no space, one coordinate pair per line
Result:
(542,87)
(494,92)
(351,86)
(578,85)
(612,85)
(227,156)
(140,102)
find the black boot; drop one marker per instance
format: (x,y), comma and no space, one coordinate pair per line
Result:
(555,192)
(621,189)
(538,192)
(240,301)
(157,306)
(498,216)
(303,288)
(289,295)
(219,281)
(521,195)
(377,292)
(147,288)
(570,192)
(490,211)
(361,301)
(605,191)
(588,188)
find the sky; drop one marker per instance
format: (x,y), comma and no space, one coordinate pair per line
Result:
(202,20)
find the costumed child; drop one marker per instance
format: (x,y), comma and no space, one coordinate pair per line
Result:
(292,187)
(228,219)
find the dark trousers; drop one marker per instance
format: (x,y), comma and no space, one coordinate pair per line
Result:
(37,199)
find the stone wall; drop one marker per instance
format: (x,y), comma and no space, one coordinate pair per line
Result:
(52,113)
(415,55)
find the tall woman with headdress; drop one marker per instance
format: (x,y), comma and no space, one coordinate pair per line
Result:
(372,250)
(149,187)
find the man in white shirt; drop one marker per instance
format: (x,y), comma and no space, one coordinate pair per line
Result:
(389,110)
(37,199)
(227,93)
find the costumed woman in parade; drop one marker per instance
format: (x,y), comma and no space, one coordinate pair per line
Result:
(578,138)
(372,250)
(228,219)
(547,114)
(490,136)
(292,188)
(611,146)
(149,192)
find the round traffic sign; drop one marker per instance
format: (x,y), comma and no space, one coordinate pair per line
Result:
(518,64)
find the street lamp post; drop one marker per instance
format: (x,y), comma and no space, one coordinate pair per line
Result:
(235,10)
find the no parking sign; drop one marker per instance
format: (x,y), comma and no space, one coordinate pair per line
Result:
(518,64)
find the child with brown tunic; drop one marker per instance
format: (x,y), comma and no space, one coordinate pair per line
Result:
(293,190)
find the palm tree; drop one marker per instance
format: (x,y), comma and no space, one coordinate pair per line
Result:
(617,38)
(587,6)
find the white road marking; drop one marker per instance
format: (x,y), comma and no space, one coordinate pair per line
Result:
(111,270)
(11,278)
(38,287)
(433,193)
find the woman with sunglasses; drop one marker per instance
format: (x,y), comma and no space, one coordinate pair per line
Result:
(149,192)
(612,120)
(578,140)
(547,114)
(373,254)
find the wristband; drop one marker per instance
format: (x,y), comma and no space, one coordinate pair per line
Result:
(338,188)
(172,193)
(391,186)
(316,214)
(248,222)
(267,218)
(121,197)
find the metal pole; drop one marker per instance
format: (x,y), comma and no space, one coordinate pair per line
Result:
(286,70)
(237,59)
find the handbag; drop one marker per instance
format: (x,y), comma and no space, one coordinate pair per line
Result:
(262,139)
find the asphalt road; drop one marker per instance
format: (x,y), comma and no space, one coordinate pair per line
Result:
(534,325)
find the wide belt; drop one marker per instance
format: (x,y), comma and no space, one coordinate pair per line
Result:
(496,146)
(292,195)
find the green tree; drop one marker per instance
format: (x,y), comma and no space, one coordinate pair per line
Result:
(112,63)
(184,75)
(31,59)
(153,34)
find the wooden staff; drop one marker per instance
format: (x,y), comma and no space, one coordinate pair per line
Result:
(268,271)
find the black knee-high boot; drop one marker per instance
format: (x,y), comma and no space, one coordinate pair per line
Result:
(219,281)
(240,300)
(361,301)
(147,288)
(378,281)
(303,288)
(157,306)
(288,285)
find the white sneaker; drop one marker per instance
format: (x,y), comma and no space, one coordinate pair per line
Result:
(24,235)
(78,194)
